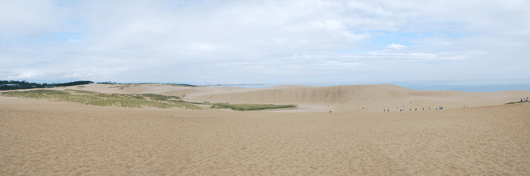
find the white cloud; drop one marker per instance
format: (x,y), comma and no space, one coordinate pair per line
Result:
(396,45)
(23,76)
(141,40)
(73,40)
(204,46)
(73,75)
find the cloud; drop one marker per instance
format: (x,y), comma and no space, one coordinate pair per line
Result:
(396,45)
(241,41)
(204,46)
(73,40)
(73,75)
(23,76)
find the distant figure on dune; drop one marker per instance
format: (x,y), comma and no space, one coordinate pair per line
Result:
(429,108)
(329,111)
(384,110)
(415,109)
(423,109)
(410,109)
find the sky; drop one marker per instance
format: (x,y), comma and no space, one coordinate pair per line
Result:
(264,42)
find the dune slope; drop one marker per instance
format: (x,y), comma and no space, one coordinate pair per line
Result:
(39,137)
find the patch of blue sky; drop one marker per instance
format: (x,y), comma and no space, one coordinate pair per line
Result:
(63,3)
(381,40)
(76,22)
(384,38)
(454,34)
(40,38)
(359,51)
(183,4)
(59,37)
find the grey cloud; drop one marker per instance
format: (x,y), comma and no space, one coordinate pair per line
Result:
(186,40)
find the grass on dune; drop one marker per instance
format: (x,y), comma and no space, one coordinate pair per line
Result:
(100,99)
(516,102)
(249,107)
(133,100)
(159,97)
(123,86)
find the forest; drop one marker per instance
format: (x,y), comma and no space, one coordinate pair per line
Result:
(13,85)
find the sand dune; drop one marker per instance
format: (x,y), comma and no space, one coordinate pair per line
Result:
(40,137)
(355,97)
(336,98)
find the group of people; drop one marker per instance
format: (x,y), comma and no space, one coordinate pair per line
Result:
(524,99)
(415,109)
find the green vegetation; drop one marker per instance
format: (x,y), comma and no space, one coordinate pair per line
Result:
(159,97)
(100,99)
(123,86)
(133,100)
(516,102)
(13,85)
(249,107)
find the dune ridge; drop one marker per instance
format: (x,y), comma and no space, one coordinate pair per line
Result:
(346,98)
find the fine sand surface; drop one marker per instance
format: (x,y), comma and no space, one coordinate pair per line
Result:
(350,98)
(42,137)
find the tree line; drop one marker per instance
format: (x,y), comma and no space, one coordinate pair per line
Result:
(13,85)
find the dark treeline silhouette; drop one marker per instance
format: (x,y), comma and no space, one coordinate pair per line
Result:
(174,84)
(12,85)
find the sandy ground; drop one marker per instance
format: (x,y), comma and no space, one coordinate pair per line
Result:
(39,137)
(350,98)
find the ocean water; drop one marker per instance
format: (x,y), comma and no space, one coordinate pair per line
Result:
(465,86)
